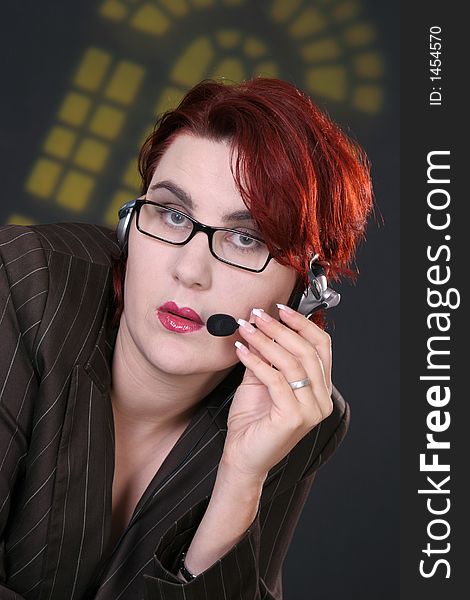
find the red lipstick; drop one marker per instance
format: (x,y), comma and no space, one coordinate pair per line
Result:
(179,320)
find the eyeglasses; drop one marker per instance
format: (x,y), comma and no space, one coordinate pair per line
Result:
(231,246)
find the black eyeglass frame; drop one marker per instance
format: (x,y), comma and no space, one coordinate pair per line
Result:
(198,226)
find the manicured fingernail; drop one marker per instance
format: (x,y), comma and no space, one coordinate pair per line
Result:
(259,312)
(241,347)
(285,308)
(248,326)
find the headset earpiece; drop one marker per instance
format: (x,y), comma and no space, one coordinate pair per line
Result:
(318,295)
(125,214)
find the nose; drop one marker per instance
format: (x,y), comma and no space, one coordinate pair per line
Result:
(192,265)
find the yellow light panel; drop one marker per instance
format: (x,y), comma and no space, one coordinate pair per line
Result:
(125,82)
(282,10)
(43,178)
(74,109)
(192,65)
(179,8)
(308,22)
(113,10)
(369,64)
(368,98)
(59,142)
(345,10)
(267,69)
(230,68)
(75,190)
(150,20)
(360,34)
(17,219)
(107,121)
(169,98)
(329,82)
(91,154)
(92,69)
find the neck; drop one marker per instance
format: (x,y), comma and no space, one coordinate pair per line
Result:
(150,400)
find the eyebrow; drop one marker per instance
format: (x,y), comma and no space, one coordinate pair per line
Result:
(237,215)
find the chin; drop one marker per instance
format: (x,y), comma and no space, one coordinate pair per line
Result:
(175,357)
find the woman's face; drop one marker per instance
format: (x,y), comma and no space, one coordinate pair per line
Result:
(188,275)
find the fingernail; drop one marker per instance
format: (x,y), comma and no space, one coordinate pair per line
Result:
(285,308)
(259,312)
(241,347)
(248,326)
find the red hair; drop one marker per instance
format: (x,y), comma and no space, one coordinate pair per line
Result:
(306,184)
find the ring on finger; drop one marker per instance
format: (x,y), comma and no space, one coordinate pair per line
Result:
(300,383)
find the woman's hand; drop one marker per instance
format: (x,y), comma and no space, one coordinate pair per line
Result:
(267,417)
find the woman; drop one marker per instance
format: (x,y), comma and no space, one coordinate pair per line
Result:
(142,456)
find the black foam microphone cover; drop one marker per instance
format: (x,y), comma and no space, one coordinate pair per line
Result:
(221,325)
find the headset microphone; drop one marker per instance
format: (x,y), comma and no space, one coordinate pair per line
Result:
(221,325)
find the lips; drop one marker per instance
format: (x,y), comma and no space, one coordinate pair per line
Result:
(185,312)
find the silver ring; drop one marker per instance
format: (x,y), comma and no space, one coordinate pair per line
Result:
(295,385)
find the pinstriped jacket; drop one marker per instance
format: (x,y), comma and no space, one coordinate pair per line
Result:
(57,447)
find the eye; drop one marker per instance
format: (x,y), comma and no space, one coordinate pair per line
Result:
(176,218)
(245,240)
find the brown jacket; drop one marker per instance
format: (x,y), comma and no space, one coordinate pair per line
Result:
(57,446)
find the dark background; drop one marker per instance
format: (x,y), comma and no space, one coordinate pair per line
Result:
(346,544)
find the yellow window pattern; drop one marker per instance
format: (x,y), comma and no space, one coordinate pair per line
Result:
(89,120)
(329,48)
